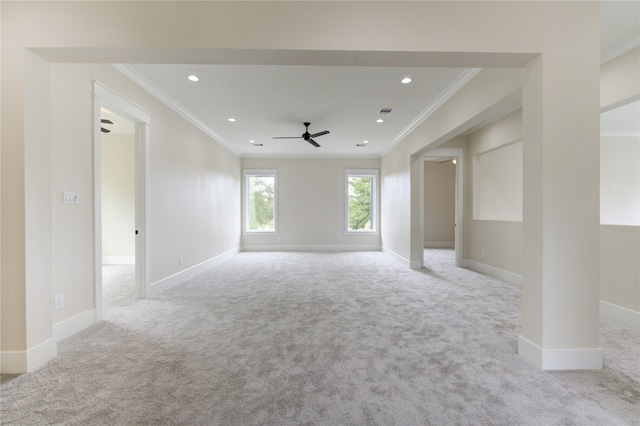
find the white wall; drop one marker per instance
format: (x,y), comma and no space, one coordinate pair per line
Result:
(439,204)
(619,82)
(493,240)
(118,198)
(311,204)
(620,180)
(620,187)
(483,34)
(489,91)
(193,187)
(497,183)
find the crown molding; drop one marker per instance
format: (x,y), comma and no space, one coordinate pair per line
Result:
(620,135)
(443,97)
(620,48)
(312,156)
(147,85)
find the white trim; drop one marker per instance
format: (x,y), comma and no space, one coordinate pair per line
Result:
(404,262)
(443,97)
(119,102)
(416,265)
(118,260)
(495,117)
(620,48)
(71,326)
(304,156)
(105,97)
(621,135)
(501,274)
(147,85)
(246,173)
(186,274)
(17,362)
(560,359)
(439,244)
(620,314)
(375,212)
(313,247)
(432,155)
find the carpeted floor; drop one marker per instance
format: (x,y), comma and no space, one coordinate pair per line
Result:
(118,286)
(327,339)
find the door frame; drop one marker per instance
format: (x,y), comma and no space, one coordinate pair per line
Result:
(104,97)
(435,155)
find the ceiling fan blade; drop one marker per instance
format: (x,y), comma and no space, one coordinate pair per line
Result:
(104,120)
(315,135)
(103,130)
(314,143)
(287,137)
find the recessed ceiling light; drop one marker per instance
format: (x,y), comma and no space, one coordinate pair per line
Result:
(406,80)
(365,142)
(252,141)
(379,120)
(193,77)
(231,119)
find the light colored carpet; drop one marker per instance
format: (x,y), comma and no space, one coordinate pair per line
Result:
(118,286)
(316,338)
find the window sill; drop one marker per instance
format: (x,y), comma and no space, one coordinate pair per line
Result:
(361,233)
(272,233)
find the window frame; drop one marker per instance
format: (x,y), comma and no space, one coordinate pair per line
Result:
(369,173)
(246,175)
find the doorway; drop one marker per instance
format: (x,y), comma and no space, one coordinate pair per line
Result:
(120,176)
(118,138)
(442,201)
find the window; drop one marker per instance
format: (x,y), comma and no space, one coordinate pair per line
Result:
(260,201)
(361,201)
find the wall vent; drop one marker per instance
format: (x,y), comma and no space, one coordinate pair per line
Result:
(385,111)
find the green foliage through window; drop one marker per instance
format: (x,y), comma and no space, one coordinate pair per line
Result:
(360,206)
(261,203)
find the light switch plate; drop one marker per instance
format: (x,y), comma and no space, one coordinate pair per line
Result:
(69,197)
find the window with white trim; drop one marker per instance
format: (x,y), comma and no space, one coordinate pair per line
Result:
(260,201)
(361,212)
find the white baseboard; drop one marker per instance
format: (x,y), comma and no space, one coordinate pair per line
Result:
(18,362)
(71,326)
(397,257)
(186,274)
(500,274)
(620,314)
(313,247)
(118,260)
(439,244)
(560,359)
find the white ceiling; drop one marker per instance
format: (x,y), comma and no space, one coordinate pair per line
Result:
(274,100)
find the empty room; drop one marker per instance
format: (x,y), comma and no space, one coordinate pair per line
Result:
(324,212)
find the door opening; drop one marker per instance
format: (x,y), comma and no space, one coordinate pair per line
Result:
(121,134)
(118,139)
(442,198)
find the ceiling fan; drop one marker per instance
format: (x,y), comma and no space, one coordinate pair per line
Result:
(453,161)
(306,135)
(105,121)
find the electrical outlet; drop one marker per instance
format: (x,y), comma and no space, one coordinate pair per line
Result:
(58,302)
(181,260)
(482,254)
